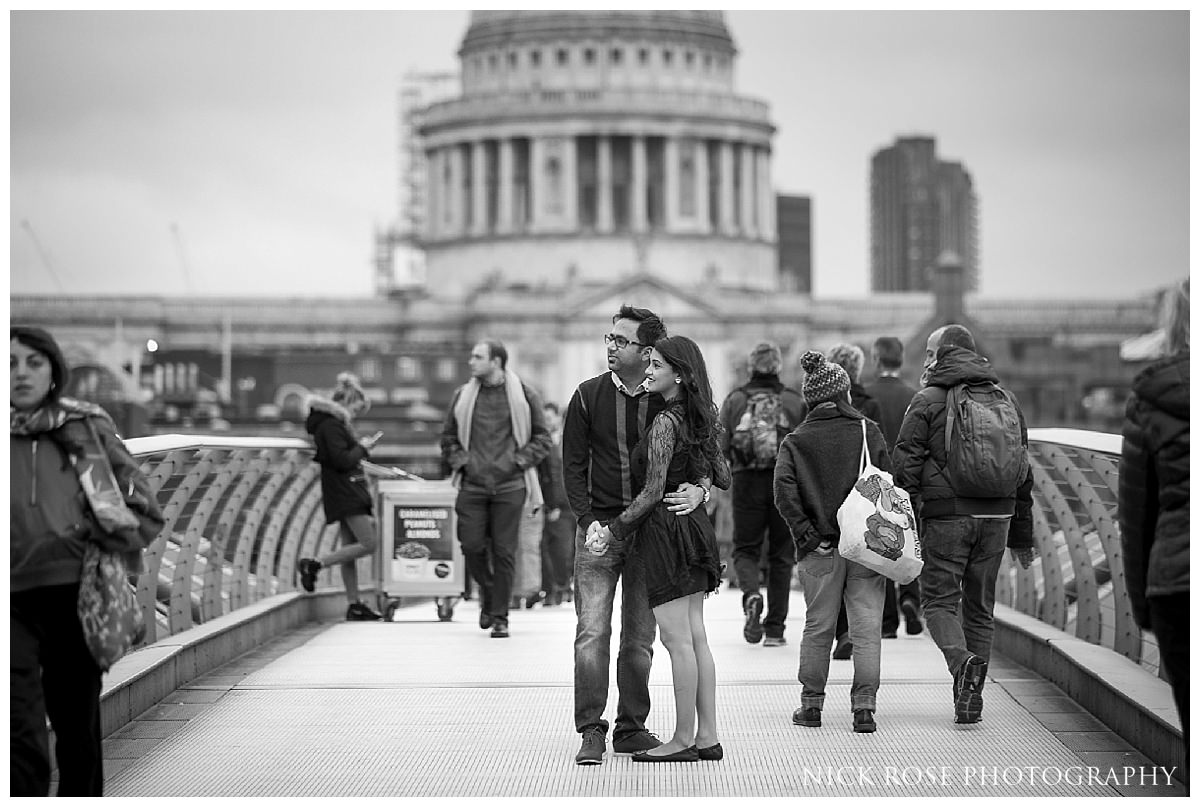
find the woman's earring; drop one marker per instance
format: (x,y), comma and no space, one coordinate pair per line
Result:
(677,381)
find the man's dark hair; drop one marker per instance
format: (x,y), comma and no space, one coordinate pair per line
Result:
(497,350)
(957,336)
(890,352)
(650,328)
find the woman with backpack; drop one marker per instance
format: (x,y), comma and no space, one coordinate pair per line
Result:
(818,466)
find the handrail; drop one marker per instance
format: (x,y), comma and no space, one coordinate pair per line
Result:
(1077,580)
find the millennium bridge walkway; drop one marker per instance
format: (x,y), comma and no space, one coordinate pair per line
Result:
(246,686)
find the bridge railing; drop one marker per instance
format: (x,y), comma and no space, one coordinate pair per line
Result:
(241,511)
(1077,580)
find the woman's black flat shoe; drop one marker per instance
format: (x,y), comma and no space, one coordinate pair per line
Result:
(686,755)
(712,753)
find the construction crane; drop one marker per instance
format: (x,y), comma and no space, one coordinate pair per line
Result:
(43,255)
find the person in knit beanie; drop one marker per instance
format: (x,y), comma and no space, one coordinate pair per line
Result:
(823,381)
(818,466)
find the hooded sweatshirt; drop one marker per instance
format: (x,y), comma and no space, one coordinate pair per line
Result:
(919,459)
(1154,491)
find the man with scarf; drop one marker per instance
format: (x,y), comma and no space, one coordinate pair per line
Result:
(493,438)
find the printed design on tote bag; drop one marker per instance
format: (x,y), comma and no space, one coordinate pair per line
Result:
(893,514)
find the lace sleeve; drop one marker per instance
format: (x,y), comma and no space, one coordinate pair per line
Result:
(661,447)
(719,467)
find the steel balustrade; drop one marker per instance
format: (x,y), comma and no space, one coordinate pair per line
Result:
(241,511)
(1077,580)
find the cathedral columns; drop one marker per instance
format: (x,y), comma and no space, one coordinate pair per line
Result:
(726,190)
(478,188)
(670,183)
(638,206)
(604,194)
(700,161)
(748,173)
(766,196)
(504,207)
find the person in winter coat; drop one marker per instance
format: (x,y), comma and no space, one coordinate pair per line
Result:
(1154,499)
(344,492)
(558,535)
(962,536)
(54,444)
(817,467)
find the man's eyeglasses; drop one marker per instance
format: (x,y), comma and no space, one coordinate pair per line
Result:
(620,341)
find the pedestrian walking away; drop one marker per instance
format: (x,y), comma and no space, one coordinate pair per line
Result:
(678,557)
(1154,499)
(558,536)
(73,486)
(818,466)
(850,358)
(755,418)
(493,439)
(345,495)
(971,486)
(894,395)
(606,418)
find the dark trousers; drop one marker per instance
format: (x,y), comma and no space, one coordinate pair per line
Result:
(52,674)
(754,513)
(489,530)
(1171,623)
(558,552)
(891,603)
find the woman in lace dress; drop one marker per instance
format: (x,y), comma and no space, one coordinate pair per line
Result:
(678,553)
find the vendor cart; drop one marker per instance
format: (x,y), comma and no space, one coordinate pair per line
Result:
(419,551)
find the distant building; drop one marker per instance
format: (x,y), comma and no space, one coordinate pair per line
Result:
(793,220)
(920,207)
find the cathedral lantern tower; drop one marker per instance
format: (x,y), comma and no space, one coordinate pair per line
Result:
(586,146)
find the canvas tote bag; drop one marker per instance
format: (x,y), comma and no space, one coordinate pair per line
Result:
(878,528)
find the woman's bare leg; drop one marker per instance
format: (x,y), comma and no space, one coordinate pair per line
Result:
(674,628)
(706,675)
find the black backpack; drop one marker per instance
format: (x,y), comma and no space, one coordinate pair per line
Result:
(763,425)
(985,455)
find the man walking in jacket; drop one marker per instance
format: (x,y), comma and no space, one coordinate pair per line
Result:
(893,395)
(756,418)
(963,532)
(605,420)
(493,438)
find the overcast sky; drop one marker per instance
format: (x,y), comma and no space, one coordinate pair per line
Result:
(255,152)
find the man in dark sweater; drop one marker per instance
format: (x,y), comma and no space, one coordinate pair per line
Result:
(893,396)
(493,439)
(605,419)
(747,443)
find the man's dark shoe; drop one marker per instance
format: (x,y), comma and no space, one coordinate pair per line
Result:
(807,716)
(591,752)
(638,741)
(864,721)
(844,648)
(889,634)
(968,685)
(774,641)
(358,612)
(499,628)
(308,568)
(912,618)
(753,608)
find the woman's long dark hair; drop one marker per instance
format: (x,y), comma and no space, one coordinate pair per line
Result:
(700,425)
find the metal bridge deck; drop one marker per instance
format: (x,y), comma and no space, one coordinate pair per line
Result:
(425,708)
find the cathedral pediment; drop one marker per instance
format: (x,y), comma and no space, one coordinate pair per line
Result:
(644,291)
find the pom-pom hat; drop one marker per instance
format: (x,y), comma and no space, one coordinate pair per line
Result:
(823,381)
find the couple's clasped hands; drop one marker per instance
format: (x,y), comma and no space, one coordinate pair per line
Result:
(685,499)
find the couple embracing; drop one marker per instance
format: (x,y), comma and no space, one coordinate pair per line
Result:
(640,452)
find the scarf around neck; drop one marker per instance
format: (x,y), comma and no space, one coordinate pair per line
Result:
(87,455)
(522,426)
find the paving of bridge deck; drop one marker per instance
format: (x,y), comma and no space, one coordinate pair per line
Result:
(420,707)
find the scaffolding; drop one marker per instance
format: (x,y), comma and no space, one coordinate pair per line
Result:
(417,91)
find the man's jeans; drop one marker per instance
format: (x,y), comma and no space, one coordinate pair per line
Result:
(488,529)
(753,513)
(828,581)
(595,588)
(962,559)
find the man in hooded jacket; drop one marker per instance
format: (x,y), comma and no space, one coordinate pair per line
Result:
(963,537)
